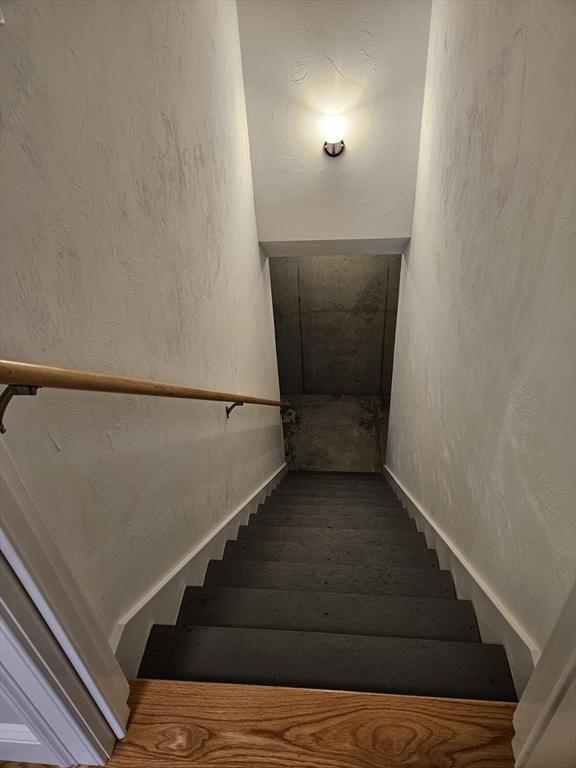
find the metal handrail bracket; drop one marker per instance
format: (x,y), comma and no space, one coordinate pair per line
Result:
(13,390)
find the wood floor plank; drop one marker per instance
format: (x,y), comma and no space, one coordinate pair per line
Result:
(207,725)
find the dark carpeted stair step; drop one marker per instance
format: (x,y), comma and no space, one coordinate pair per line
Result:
(342,613)
(333,492)
(334,479)
(352,502)
(444,668)
(327,577)
(312,509)
(351,484)
(367,554)
(352,536)
(330,586)
(327,474)
(334,521)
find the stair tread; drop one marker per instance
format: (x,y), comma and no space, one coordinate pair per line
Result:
(327,473)
(443,668)
(337,483)
(352,536)
(342,613)
(333,501)
(309,510)
(342,552)
(334,521)
(330,577)
(358,484)
(381,493)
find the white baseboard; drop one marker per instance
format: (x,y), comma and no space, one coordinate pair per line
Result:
(495,621)
(160,604)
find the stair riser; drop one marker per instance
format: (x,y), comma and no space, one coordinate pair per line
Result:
(322,612)
(328,536)
(294,474)
(334,493)
(411,582)
(333,522)
(330,501)
(309,510)
(351,484)
(330,661)
(407,557)
(327,479)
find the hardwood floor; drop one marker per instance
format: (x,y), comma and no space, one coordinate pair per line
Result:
(180,724)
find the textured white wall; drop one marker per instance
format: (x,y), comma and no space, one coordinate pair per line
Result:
(129,245)
(304,59)
(482,423)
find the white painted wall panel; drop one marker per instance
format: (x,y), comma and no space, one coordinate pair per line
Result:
(482,429)
(129,245)
(363,59)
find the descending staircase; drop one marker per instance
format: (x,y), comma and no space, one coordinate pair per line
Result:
(330,586)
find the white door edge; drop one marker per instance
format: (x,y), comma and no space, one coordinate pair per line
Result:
(39,683)
(550,697)
(27,545)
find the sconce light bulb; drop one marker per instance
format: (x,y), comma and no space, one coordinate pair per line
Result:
(333,129)
(333,135)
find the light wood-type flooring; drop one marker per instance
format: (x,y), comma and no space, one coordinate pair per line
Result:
(180,724)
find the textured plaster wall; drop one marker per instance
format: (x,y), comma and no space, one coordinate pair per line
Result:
(129,245)
(364,59)
(482,428)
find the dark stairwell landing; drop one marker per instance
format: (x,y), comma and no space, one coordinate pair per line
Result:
(330,586)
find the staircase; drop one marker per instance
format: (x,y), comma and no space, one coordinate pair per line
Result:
(330,586)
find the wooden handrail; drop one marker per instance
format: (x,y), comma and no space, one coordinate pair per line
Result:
(31,375)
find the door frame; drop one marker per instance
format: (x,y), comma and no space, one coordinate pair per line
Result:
(548,704)
(34,557)
(47,712)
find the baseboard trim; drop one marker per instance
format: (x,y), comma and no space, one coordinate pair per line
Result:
(496,622)
(161,603)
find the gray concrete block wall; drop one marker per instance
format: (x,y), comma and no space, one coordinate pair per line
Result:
(342,306)
(335,318)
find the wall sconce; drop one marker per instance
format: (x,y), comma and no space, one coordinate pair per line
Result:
(333,131)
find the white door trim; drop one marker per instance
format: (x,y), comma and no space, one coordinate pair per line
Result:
(37,679)
(27,545)
(550,699)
